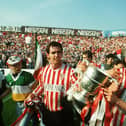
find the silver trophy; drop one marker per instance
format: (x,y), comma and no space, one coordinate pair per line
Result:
(90,80)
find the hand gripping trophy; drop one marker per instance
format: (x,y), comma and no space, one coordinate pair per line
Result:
(89,82)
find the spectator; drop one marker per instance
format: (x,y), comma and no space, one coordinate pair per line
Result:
(109,62)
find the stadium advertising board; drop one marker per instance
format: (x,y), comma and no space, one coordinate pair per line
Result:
(41,30)
(10,28)
(51,31)
(88,33)
(62,31)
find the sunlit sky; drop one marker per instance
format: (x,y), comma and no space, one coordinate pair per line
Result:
(78,14)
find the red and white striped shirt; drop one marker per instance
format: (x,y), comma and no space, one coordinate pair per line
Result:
(119,116)
(54,83)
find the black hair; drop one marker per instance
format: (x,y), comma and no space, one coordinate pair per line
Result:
(117,61)
(110,56)
(88,53)
(54,44)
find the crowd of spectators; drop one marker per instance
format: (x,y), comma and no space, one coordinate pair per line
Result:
(16,44)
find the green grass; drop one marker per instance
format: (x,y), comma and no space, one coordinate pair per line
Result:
(9,111)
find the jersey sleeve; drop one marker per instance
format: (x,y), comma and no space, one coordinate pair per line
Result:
(39,89)
(74,78)
(122,78)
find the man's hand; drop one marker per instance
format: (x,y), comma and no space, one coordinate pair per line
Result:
(110,96)
(82,66)
(28,99)
(110,93)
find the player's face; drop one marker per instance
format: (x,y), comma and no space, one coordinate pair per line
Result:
(109,60)
(15,68)
(118,66)
(85,57)
(55,55)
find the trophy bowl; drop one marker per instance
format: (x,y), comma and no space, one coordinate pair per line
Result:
(92,77)
(90,80)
